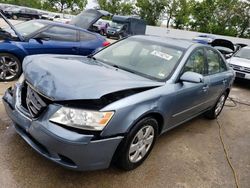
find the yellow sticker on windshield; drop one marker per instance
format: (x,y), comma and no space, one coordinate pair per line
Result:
(161,55)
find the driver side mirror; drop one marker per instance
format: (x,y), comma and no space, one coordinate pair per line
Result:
(192,77)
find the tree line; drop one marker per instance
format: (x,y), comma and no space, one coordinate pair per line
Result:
(225,17)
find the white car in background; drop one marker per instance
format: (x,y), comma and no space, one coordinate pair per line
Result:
(240,62)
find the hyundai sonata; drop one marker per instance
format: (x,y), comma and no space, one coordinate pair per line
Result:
(84,112)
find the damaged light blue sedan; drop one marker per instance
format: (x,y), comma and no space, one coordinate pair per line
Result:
(86,112)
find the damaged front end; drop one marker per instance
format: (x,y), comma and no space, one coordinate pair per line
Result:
(76,115)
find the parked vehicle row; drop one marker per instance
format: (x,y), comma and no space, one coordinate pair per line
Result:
(124,26)
(240,62)
(120,27)
(21,12)
(42,37)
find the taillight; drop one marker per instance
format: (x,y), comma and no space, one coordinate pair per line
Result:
(106,43)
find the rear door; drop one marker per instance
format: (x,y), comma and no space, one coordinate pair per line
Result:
(55,40)
(218,80)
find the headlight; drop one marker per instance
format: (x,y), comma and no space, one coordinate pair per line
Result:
(82,119)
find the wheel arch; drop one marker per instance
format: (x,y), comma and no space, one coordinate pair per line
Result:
(154,114)
(14,50)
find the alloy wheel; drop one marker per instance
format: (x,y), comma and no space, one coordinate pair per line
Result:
(220,104)
(9,68)
(141,143)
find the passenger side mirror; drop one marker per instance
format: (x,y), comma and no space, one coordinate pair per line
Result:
(192,77)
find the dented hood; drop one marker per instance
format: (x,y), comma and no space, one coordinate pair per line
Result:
(76,78)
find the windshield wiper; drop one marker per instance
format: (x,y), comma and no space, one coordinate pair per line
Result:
(123,68)
(91,57)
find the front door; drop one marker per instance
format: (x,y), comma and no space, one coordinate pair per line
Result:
(55,40)
(191,98)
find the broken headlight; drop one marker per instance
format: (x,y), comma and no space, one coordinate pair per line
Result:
(82,119)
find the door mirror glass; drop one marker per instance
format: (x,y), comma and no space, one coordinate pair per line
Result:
(192,77)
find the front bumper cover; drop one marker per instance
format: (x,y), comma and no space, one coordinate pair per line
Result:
(62,146)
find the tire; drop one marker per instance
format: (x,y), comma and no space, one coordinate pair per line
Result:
(14,17)
(10,67)
(127,158)
(120,36)
(102,32)
(216,110)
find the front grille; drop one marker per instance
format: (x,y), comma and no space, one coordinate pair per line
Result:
(32,101)
(240,68)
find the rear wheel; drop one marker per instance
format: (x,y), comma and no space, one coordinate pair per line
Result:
(10,67)
(120,37)
(14,17)
(138,144)
(216,110)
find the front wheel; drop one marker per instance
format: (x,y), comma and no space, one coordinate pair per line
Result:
(138,144)
(216,110)
(10,67)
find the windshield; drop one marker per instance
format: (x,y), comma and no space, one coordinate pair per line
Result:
(142,57)
(27,28)
(243,53)
(116,25)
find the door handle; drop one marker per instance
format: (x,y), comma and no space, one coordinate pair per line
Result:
(224,82)
(205,88)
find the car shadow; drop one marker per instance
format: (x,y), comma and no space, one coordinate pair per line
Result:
(242,83)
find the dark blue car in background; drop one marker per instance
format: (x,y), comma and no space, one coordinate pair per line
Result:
(42,37)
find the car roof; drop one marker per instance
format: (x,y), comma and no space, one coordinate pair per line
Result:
(178,43)
(63,25)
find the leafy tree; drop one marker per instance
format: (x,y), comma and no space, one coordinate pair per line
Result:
(242,19)
(177,11)
(225,17)
(66,4)
(116,6)
(150,10)
(27,3)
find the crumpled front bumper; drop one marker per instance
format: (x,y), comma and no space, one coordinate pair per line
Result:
(62,146)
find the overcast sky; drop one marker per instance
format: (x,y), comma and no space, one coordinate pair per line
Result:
(92,3)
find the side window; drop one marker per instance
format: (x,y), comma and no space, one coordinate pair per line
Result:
(196,62)
(215,62)
(61,34)
(86,36)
